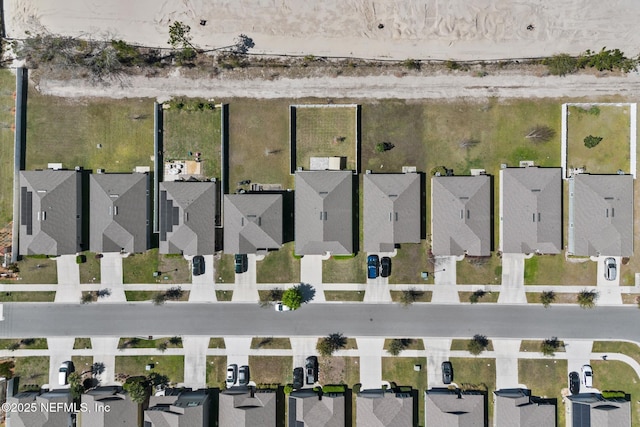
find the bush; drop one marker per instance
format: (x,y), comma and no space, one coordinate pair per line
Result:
(356,388)
(397,345)
(138,388)
(587,299)
(475,297)
(330,344)
(562,64)
(411,64)
(81,259)
(334,388)
(547,297)
(591,141)
(6,369)
(439,170)
(292,298)
(288,388)
(607,60)
(409,296)
(478,344)
(549,346)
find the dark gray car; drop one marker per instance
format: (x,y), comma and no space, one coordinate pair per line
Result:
(298,374)
(311,369)
(447,372)
(198,265)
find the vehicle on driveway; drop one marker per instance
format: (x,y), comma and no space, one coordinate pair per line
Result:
(385,266)
(243,375)
(279,306)
(198,265)
(242,265)
(298,373)
(373,263)
(66,368)
(587,376)
(447,372)
(610,269)
(311,365)
(232,375)
(574,382)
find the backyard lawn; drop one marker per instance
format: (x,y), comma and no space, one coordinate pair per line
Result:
(347,269)
(612,375)
(279,266)
(7,104)
(131,366)
(554,270)
(545,378)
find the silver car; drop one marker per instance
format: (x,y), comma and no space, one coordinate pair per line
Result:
(243,375)
(610,269)
(232,375)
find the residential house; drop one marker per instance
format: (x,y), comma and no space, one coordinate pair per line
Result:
(252,223)
(385,408)
(309,409)
(187,217)
(178,408)
(119,206)
(517,407)
(594,410)
(240,406)
(455,408)
(461,215)
(324,212)
(531,210)
(108,406)
(59,399)
(392,213)
(50,212)
(601,215)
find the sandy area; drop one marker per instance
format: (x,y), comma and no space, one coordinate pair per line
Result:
(424,29)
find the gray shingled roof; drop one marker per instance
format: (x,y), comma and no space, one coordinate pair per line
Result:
(454,408)
(40,418)
(122,410)
(391,210)
(252,222)
(178,409)
(378,408)
(531,202)
(307,409)
(119,207)
(516,407)
(237,408)
(324,212)
(594,410)
(602,210)
(187,217)
(50,212)
(461,215)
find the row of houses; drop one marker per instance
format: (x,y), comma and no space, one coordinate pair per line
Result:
(326,207)
(241,406)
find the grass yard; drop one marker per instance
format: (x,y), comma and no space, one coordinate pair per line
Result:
(144,343)
(139,268)
(131,366)
(349,269)
(479,270)
(630,298)
(560,298)
(24,344)
(271,369)
(612,375)
(488,297)
(216,343)
(424,296)
(545,378)
(554,270)
(7,120)
(44,296)
(35,270)
(611,123)
(476,374)
(216,371)
(279,266)
(224,295)
(90,270)
(82,343)
(325,132)
(409,263)
(534,346)
(33,371)
(82,363)
(225,270)
(457,345)
(630,349)
(195,131)
(344,295)
(148,295)
(339,370)
(414,344)
(400,371)
(267,343)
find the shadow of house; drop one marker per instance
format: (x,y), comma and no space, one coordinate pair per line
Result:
(455,408)
(385,408)
(109,406)
(40,418)
(591,409)
(241,406)
(252,223)
(178,408)
(517,407)
(311,409)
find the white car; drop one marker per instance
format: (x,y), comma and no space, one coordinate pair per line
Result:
(587,376)
(281,307)
(232,375)
(63,373)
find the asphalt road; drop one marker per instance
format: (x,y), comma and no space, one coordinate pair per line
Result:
(26,320)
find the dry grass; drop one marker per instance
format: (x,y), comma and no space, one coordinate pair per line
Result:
(265,343)
(339,370)
(409,263)
(545,378)
(271,369)
(479,270)
(347,269)
(216,371)
(344,295)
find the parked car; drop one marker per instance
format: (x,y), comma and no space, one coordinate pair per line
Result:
(574,382)
(279,306)
(311,365)
(385,266)
(610,269)
(198,265)
(232,375)
(243,375)
(242,264)
(587,376)
(372,266)
(447,372)
(298,373)
(63,373)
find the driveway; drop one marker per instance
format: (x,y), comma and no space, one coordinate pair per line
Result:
(608,290)
(111,277)
(506,354)
(438,350)
(445,290)
(311,273)
(578,353)
(370,351)
(195,361)
(203,286)
(246,289)
(59,351)
(512,290)
(68,289)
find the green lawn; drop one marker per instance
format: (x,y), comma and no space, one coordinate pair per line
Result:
(545,378)
(345,269)
(44,296)
(7,120)
(630,349)
(266,343)
(145,343)
(534,346)
(477,374)
(139,268)
(35,270)
(344,295)
(279,266)
(224,295)
(90,270)
(225,270)
(194,131)
(488,297)
(32,371)
(271,369)
(216,343)
(82,343)
(424,296)
(216,371)
(479,270)
(410,261)
(612,375)
(82,363)
(612,124)
(171,366)
(325,132)
(458,344)
(414,344)
(25,344)
(554,270)
(400,370)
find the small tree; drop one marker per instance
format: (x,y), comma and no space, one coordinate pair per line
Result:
(76,388)
(174,293)
(409,296)
(478,344)
(547,297)
(549,346)
(242,44)
(587,299)
(137,388)
(87,297)
(159,298)
(162,346)
(475,297)
(381,147)
(175,340)
(591,141)
(330,344)
(397,345)
(97,368)
(180,36)
(292,298)
(6,369)
(155,379)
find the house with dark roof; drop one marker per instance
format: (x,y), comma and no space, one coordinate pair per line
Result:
(324,212)
(38,418)
(309,409)
(517,407)
(252,223)
(531,210)
(239,406)
(108,406)
(187,217)
(178,408)
(385,408)
(392,211)
(601,215)
(119,206)
(594,410)
(455,408)
(461,215)
(50,212)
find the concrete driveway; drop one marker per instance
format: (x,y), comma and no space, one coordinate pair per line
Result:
(246,288)
(579,353)
(445,290)
(512,290)
(438,350)
(195,361)
(203,286)
(370,351)
(111,277)
(311,273)
(68,289)
(506,354)
(59,351)
(608,290)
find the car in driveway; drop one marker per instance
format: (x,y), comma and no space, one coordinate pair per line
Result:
(447,372)
(243,375)
(373,262)
(198,265)
(242,265)
(279,306)
(587,376)
(298,374)
(66,368)
(311,368)
(385,266)
(610,269)
(232,375)
(574,382)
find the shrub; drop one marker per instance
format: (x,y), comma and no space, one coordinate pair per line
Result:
(549,346)
(334,388)
(81,259)
(607,60)
(162,346)
(330,344)
(562,64)
(397,345)
(6,369)
(439,170)
(478,344)
(356,388)
(591,141)
(547,297)
(475,297)
(409,296)
(587,299)
(411,64)
(138,388)
(288,388)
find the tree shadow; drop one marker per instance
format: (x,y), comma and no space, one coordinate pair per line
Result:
(307,291)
